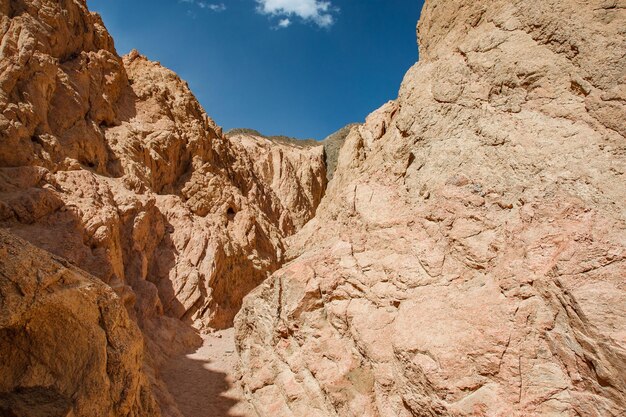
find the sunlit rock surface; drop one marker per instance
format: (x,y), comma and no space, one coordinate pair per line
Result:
(468,258)
(111,164)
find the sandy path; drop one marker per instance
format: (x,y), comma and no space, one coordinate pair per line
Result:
(202,382)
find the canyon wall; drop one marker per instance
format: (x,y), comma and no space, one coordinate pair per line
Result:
(111,164)
(468,258)
(332,146)
(67,345)
(291,169)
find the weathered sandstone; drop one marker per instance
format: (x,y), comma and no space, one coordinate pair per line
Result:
(290,168)
(67,345)
(118,156)
(468,258)
(111,164)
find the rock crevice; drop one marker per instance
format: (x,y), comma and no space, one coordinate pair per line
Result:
(466,259)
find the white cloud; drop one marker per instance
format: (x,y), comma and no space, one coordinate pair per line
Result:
(284,23)
(319,12)
(215,7)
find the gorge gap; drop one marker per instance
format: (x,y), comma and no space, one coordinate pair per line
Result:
(460,253)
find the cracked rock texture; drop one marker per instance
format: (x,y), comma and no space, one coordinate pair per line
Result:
(468,258)
(290,168)
(111,164)
(67,344)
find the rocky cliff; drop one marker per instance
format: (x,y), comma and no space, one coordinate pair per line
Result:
(332,146)
(291,168)
(67,345)
(111,164)
(468,258)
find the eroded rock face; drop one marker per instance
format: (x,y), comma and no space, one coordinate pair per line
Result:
(117,155)
(469,255)
(291,169)
(332,146)
(67,344)
(112,164)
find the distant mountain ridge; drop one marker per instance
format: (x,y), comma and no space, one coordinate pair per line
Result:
(332,143)
(288,140)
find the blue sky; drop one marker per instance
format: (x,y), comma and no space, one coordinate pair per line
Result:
(301,68)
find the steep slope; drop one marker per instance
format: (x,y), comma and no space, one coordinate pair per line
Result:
(332,145)
(469,256)
(67,345)
(112,164)
(119,155)
(281,164)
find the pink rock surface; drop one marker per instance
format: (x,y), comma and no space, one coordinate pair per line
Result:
(468,258)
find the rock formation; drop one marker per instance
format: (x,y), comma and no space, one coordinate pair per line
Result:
(111,164)
(291,168)
(468,258)
(332,146)
(332,143)
(67,345)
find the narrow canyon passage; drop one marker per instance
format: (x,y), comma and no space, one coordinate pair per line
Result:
(468,257)
(203,382)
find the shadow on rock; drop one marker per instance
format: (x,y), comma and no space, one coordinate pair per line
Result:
(199,390)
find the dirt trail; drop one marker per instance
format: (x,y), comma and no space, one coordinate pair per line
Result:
(203,383)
